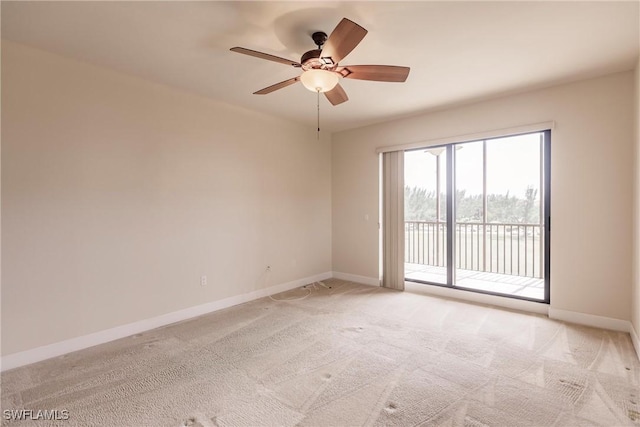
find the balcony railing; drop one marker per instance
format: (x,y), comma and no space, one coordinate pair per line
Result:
(513,249)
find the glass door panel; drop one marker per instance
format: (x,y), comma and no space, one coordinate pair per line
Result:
(515,229)
(470,211)
(425,215)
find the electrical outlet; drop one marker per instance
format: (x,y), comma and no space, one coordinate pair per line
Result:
(203,280)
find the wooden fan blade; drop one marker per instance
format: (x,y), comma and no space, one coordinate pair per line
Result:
(344,38)
(337,95)
(378,73)
(266,56)
(276,86)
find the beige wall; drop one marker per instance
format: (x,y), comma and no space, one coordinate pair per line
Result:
(118,194)
(592,175)
(635,318)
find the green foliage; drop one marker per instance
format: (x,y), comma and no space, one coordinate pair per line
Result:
(468,208)
(420,205)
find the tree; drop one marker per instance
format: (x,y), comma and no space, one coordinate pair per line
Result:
(468,208)
(420,205)
(531,206)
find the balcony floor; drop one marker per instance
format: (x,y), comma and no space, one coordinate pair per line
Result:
(529,287)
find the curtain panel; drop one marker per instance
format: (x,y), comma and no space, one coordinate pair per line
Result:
(393,220)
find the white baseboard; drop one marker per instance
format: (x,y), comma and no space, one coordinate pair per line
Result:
(597,322)
(590,320)
(363,280)
(74,344)
(533,307)
(635,340)
(478,298)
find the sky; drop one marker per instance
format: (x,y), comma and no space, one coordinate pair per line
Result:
(513,163)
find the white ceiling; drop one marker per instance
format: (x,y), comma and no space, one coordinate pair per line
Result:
(458,51)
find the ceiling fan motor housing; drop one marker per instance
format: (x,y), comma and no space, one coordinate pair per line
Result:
(311,59)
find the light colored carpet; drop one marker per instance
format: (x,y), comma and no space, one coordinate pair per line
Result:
(350,355)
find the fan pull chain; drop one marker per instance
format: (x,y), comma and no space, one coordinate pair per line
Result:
(318,134)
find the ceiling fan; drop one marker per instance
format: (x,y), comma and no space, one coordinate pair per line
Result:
(320,69)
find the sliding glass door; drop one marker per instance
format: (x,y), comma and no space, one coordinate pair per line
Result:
(484,206)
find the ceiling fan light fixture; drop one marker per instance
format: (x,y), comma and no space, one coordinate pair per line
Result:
(319,80)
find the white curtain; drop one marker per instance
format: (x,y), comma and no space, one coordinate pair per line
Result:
(393,220)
